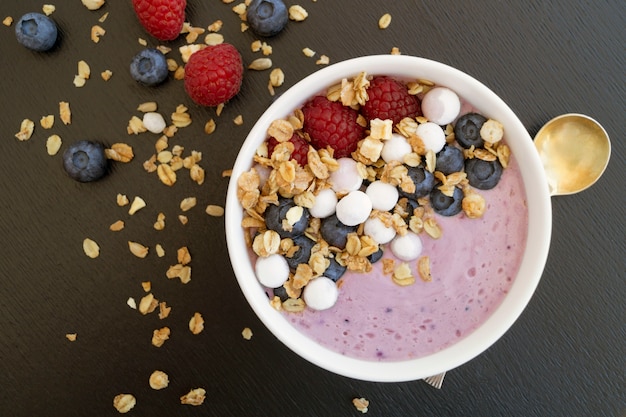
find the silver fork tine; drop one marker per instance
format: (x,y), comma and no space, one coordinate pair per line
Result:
(435,380)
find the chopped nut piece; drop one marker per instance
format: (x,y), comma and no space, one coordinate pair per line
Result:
(323,60)
(48,9)
(159,250)
(188,203)
(297,13)
(91,248)
(159,336)
(106,75)
(361,404)
(209,127)
(65,113)
(384,21)
(196,324)
(124,402)
(247,333)
(308,52)
(71,337)
(260,64)
(93,4)
(53,144)
(138,249)
(117,226)
(26,130)
(194,397)
(146,285)
(131,303)
(148,304)
(182,255)
(164,310)
(215,211)
(183,219)
(159,380)
(122,200)
(147,107)
(97,31)
(138,204)
(47,121)
(8,21)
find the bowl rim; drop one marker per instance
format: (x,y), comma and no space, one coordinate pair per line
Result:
(533,260)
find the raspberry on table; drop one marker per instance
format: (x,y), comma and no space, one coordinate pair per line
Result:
(330,123)
(213,75)
(390,99)
(163,19)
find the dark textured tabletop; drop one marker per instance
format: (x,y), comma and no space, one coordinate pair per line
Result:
(565,356)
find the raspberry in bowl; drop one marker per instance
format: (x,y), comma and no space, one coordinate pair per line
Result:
(410,248)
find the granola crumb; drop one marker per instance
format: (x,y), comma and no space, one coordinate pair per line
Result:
(247,333)
(196,323)
(384,21)
(71,337)
(123,403)
(8,21)
(53,144)
(361,404)
(91,248)
(159,380)
(27,128)
(159,336)
(194,397)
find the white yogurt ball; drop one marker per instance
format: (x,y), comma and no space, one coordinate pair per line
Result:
(320,293)
(441,105)
(346,178)
(154,122)
(376,229)
(384,196)
(272,271)
(432,135)
(407,247)
(395,148)
(354,208)
(325,204)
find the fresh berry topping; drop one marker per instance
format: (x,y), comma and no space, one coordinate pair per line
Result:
(287,218)
(481,174)
(450,160)
(335,270)
(36,31)
(213,75)
(329,123)
(267,17)
(163,19)
(334,232)
(467,130)
(446,205)
(85,161)
(149,67)
(389,99)
(303,254)
(424,182)
(376,256)
(300,148)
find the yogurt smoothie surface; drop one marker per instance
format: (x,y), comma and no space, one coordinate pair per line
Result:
(473,265)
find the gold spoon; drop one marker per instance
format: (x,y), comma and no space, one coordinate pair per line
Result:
(574,150)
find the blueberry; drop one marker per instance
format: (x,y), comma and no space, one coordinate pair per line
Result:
(302,255)
(446,205)
(334,232)
(149,67)
(424,182)
(483,175)
(467,130)
(335,270)
(36,31)
(450,159)
(267,17)
(376,256)
(276,214)
(85,161)
(281,292)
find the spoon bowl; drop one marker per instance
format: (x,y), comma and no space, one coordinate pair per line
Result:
(575,150)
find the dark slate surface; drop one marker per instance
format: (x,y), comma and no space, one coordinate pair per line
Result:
(563,357)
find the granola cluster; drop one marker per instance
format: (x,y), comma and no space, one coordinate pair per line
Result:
(278,175)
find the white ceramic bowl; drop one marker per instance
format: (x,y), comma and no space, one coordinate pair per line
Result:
(533,261)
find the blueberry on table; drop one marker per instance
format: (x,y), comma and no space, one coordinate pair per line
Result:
(36,31)
(267,17)
(149,67)
(467,130)
(303,254)
(287,213)
(334,232)
(483,175)
(446,205)
(85,161)
(424,182)
(450,159)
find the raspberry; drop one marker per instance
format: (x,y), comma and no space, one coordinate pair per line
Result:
(389,99)
(163,19)
(330,123)
(213,75)
(300,151)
